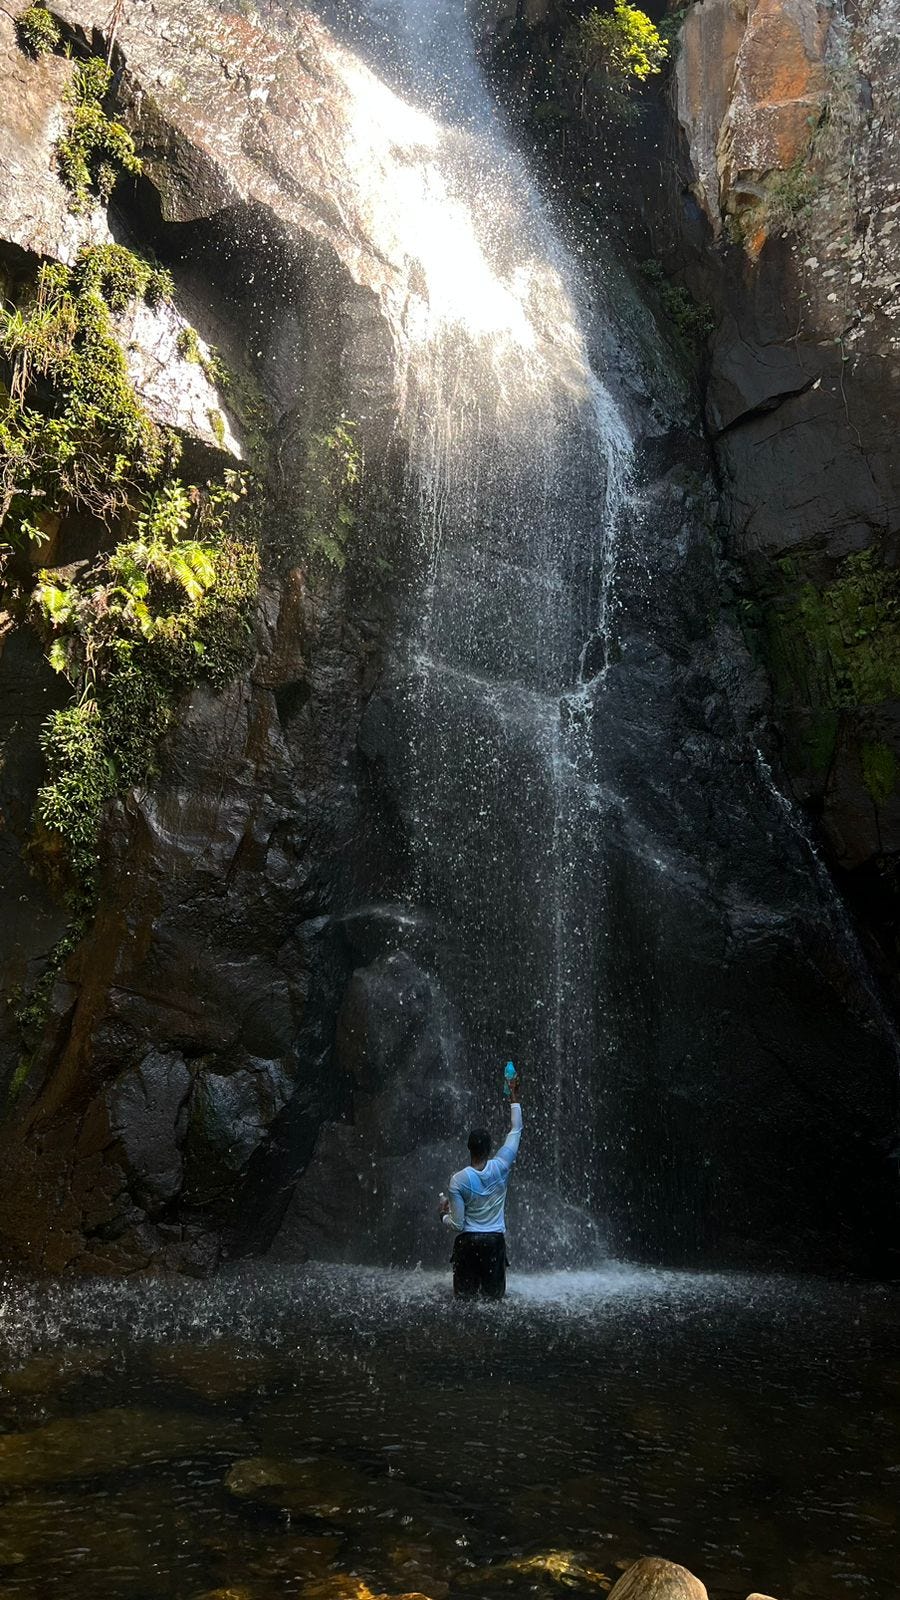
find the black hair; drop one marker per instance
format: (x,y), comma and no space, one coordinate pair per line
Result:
(479,1144)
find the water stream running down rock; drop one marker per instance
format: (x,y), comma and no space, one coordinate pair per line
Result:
(518,469)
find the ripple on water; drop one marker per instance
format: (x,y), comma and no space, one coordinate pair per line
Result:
(284,1426)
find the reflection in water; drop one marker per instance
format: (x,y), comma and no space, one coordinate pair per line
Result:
(326,1432)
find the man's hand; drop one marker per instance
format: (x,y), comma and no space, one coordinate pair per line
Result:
(443,1206)
(513,1089)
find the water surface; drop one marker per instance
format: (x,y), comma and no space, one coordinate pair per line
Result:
(336,1433)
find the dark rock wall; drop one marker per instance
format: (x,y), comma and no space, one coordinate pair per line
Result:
(170,1084)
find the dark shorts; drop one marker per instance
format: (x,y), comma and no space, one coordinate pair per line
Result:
(479,1265)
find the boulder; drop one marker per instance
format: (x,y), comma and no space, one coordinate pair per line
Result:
(652,1578)
(148,1112)
(34,205)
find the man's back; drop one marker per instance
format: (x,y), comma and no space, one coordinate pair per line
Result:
(478,1194)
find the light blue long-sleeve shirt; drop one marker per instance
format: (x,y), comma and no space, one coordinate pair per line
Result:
(478,1199)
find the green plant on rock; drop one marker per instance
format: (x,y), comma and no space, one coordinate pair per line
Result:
(782,206)
(168,605)
(670,27)
(94,150)
(38,32)
(159,614)
(836,647)
(190,349)
(73,432)
(690,320)
(332,474)
(879,770)
(31,1007)
(120,277)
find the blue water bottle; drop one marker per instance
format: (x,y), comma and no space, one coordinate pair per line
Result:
(509,1073)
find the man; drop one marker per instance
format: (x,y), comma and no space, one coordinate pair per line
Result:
(476,1210)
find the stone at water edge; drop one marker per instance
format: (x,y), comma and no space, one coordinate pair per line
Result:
(756,1596)
(652,1578)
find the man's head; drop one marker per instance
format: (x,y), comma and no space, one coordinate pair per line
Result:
(479,1144)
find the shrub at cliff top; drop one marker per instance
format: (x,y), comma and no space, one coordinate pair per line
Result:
(622,44)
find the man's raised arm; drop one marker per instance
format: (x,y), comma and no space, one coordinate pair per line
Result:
(509,1149)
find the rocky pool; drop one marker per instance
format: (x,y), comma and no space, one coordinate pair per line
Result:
(334,1434)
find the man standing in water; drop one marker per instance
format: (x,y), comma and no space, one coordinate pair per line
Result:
(476,1210)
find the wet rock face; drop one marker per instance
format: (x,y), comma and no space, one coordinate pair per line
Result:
(235,1017)
(180,1066)
(370,1190)
(36,214)
(803,383)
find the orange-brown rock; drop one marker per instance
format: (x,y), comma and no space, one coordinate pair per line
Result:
(779,89)
(751,85)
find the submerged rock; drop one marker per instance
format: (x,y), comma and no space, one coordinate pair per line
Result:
(327,1489)
(344,1586)
(653,1578)
(227,1594)
(217,1373)
(564,1568)
(111,1441)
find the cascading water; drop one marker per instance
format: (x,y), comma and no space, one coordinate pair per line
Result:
(517,469)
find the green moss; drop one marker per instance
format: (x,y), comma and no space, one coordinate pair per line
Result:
(190,349)
(94,150)
(160,614)
(839,646)
(690,321)
(169,605)
(819,739)
(252,413)
(879,770)
(330,492)
(38,32)
(72,431)
(217,423)
(31,1008)
(120,277)
(188,345)
(783,205)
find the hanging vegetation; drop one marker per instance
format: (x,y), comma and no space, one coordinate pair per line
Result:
(168,604)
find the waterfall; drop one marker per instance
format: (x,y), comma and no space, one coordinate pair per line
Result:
(517,470)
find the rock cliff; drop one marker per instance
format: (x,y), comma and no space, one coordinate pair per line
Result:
(170,1061)
(794,155)
(149,1068)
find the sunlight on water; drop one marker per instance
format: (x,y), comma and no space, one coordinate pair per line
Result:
(451,212)
(414,220)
